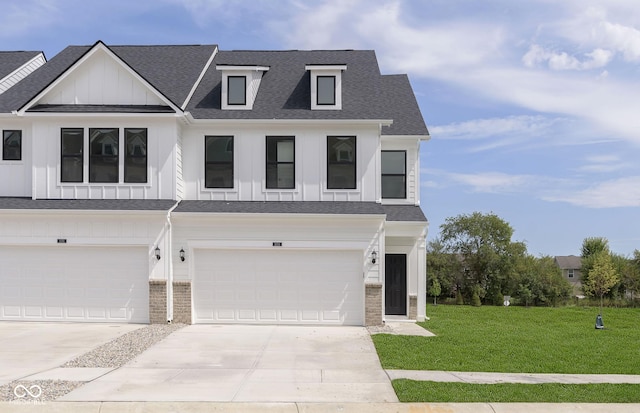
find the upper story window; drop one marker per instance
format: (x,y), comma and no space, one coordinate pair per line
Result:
(218,153)
(326,86)
(11,145)
(326,90)
(236,90)
(280,156)
(394,174)
(103,157)
(105,165)
(72,148)
(570,273)
(135,155)
(341,162)
(240,86)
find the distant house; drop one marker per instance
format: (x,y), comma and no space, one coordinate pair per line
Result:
(571,270)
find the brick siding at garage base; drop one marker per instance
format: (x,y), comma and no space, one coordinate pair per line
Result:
(182,302)
(413,307)
(373,305)
(157,301)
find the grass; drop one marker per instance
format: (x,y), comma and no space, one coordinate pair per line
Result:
(520,340)
(421,391)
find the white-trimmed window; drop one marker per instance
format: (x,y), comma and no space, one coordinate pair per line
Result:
(570,273)
(240,86)
(218,159)
(394,174)
(326,86)
(280,160)
(341,162)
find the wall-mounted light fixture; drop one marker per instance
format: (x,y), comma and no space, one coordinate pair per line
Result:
(374,257)
(158,253)
(182,254)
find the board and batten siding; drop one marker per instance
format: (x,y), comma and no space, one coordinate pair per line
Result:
(310,163)
(15,176)
(411,146)
(20,73)
(100,80)
(161,159)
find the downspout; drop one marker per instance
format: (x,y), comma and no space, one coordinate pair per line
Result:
(170,264)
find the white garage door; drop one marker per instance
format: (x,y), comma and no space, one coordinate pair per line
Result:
(65,283)
(278,287)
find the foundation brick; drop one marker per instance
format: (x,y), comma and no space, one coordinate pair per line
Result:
(373,305)
(182,302)
(157,301)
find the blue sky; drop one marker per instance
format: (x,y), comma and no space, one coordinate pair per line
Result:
(533,106)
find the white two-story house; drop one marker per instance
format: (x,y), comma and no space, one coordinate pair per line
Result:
(187,184)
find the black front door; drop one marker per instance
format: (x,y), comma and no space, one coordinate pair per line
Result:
(395,294)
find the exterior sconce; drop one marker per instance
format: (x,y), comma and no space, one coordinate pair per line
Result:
(158,253)
(374,257)
(182,254)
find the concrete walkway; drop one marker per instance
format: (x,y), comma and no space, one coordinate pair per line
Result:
(526,378)
(204,407)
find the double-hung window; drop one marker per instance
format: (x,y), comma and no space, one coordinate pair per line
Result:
(341,162)
(72,148)
(218,153)
(12,145)
(570,273)
(394,174)
(135,156)
(281,162)
(103,155)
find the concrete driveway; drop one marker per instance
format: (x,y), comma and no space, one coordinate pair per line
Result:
(28,348)
(250,364)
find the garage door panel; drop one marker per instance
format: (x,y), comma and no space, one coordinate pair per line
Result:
(74,284)
(281,287)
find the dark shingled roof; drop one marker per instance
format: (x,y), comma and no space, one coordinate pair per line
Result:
(393,212)
(87,204)
(404,213)
(172,70)
(10,61)
(569,262)
(285,89)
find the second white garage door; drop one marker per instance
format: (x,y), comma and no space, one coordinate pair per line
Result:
(278,287)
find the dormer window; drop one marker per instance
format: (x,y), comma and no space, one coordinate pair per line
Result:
(236,90)
(326,86)
(240,86)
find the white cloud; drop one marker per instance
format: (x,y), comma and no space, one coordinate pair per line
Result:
(623,192)
(562,61)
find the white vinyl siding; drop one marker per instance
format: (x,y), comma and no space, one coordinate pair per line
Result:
(411,147)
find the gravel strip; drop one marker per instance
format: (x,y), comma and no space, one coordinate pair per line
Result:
(36,391)
(123,349)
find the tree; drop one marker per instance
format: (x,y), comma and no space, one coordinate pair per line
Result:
(602,276)
(482,242)
(435,290)
(443,266)
(591,246)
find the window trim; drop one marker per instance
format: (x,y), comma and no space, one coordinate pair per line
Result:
(278,138)
(570,273)
(4,147)
(81,156)
(355,163)
(232,162)
(244,101)
(334,102)
(404,174)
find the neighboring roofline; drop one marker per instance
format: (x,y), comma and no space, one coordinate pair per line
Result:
(423,138)
(40,54)
(197,83)
(99,45)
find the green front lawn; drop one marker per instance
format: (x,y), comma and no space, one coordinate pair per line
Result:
(428,391)
(518,339)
